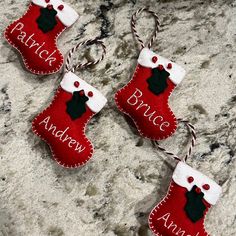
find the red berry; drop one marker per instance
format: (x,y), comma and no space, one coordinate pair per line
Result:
(206,186)
(90,93)
(169,66)
(154,59)
(49,6)
(190,179)
(198,190)
(160,67)
(60,7)
(81,93)
(76,84)
(47,1)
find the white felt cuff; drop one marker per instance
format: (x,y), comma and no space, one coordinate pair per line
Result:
(95,103)
(180,177)
(67,15)
(177,73)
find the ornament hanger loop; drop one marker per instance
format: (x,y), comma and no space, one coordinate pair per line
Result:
(192,144)
(133,25)
(73,68)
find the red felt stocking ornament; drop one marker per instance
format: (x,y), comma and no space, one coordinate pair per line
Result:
(190,195)
(145,97)
(35,34)
(62,124)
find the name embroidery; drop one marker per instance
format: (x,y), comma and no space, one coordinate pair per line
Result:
(157,120)
(62,136)
(174,228)
(31,43)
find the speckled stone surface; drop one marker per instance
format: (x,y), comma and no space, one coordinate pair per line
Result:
(114,193)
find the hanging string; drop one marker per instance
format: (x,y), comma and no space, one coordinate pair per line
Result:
(133,25)
(73,68)
(192,144)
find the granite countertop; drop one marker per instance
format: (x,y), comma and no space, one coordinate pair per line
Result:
(114,193)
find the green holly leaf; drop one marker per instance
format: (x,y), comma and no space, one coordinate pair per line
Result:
(76,107)
(195,206)
(47,19)
(158,81)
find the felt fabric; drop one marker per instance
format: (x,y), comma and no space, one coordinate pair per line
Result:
(168,218)
(66,14)
(195,206)
(182,211)
(95,102)
(65,132)
(76,107)
(187,177)
(150,59)
(69,146)
(149,111)
(158,81)
(36,40)
(47,19)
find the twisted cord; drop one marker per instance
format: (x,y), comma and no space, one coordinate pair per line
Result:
(133,26)
(192,144)
(73,68)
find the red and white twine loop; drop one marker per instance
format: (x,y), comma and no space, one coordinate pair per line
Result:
(73,68)
(192,144)
(133,25)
